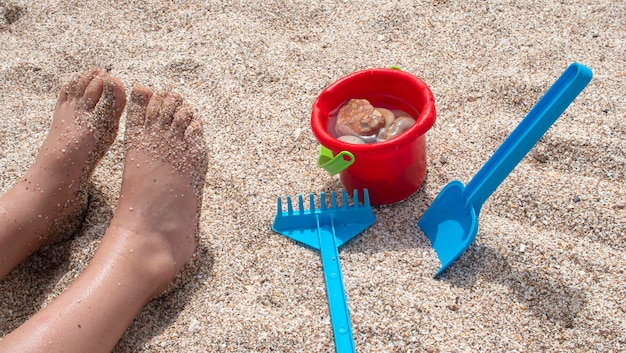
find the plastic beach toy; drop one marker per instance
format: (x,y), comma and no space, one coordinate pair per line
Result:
(451,221)
(391,170)
(326,229)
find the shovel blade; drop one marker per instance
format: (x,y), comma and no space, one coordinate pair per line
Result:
(450,224)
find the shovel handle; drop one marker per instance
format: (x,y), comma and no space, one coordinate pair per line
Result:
(554,102)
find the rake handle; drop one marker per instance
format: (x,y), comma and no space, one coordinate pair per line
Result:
(337,302)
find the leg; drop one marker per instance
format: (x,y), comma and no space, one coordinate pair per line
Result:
(45,206)
(150,239)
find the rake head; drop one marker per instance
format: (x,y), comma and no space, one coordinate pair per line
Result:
(345,221)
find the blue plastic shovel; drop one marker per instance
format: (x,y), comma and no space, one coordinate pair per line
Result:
(325,229)
(451,221)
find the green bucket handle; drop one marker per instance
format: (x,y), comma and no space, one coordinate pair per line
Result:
(334,164)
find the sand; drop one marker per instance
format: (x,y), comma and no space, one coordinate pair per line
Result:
(547,269)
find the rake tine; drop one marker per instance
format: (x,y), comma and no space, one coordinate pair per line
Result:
(300,204)
(323,201)
(311,203)
(333,198)
(289,206)
(366,198)
(344,199)
(279,205)
(355,198)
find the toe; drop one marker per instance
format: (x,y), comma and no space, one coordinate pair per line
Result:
(193,135)
(63,96)
(92,93)
(182,118)
(112,100)
(196,153)
(107,113)
(78,85)
(153,110)
(171,103)
(119,95)
(140,97)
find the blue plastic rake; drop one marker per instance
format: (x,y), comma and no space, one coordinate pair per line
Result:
(326,229)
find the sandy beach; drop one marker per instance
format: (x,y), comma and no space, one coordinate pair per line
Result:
(547,271)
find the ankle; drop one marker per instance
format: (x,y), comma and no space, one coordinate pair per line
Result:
(150,260)
(38,214)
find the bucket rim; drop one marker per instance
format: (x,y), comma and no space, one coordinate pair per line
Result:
(424,121)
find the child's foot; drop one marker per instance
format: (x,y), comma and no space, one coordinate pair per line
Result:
(150,239)
(156,218)
(46,205)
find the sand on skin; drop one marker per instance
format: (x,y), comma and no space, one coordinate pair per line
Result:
(546,272)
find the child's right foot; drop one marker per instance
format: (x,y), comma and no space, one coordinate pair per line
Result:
(47,204)
(156,219)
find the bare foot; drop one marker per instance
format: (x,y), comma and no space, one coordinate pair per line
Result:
(150,239)
(164,173)
(46,205)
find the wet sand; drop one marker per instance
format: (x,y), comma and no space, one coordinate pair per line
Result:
(547,269)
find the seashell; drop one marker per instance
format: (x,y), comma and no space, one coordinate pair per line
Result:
(388,115)
(359,117)
(351,139)
(396,128)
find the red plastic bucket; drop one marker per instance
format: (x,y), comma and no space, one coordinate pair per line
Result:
(391,170)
